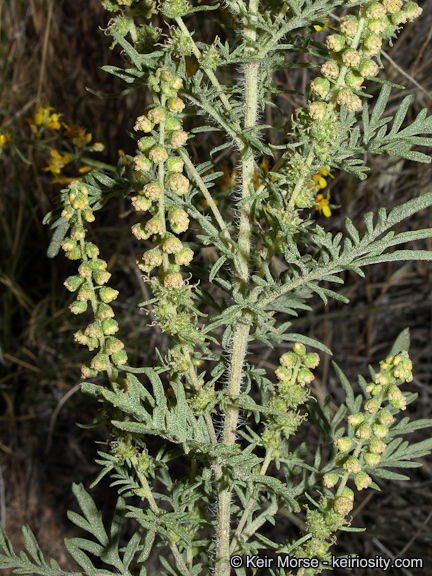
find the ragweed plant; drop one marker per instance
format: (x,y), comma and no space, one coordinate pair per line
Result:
(208,494)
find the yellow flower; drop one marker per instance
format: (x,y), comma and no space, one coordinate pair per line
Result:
(57,161)
(43,119)
(4,137)
(77,135)
(322,204)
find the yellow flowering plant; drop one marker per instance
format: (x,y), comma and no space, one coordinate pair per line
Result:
(227,462)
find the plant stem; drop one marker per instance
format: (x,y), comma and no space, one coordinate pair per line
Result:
(241,331)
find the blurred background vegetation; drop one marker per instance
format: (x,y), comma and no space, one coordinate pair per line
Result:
(50,52)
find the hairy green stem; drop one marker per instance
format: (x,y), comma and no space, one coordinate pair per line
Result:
(241,331)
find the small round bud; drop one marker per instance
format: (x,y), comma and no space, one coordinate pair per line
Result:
(368,68)
(412,11)
(67,212)
(184,257)
(178,184)
(354,80)
(109,326)
(107,294)
(371,406)
(85,292)
(152,258)
(377,446)
(88,372)
(305,376)
(352,465)
(351,57)
(92,250)
(350,100)
(289,359)
(344,444)
(145,143)
(174,164)
(142,163)
(140,232)
(335,42)
(88,215)
(119,358)
(143,123)
(141,203)
(343,506)
(179,138)
(94,330)
(362,480)
(311,360)
(78,306)
(377,26)
(363,432)
(317,110)
(349,27)
(330,480)
(283,374)
(78,232)
(392,6)
(179,220)
(158,154)
(176,83)
(154,226)
(156,115)
(172,246)
(380,430)
(330,70)
(375,10)
(176,105)
(101,277)
(172,123)
(104,311)
(84,270)
(173,281)
(371,459)
(99,362)
(320,87)
(356,419)
(68,244)
(372,44)
(385,417)
(348,493)
(72,283)
(152,191)
(113,345)
(299,349)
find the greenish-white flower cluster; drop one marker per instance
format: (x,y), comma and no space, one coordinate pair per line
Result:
(162,170)
(90,285)
(354,52)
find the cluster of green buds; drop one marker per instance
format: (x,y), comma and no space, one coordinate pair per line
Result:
(353,51)
(294,374)
(160,169)
(367,444)
(90,284)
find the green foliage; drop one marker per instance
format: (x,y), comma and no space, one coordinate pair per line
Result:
(167,494)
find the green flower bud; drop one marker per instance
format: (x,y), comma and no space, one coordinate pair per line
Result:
(343,506)
(78,232)
(175,8)
(140,231)
(412,11)
(174,164)
(289,359)
(330,480)
(67,212)
(349,100)
(109,326)
(152,258)
(392,6)
(354,80)
(178,184)
(335,42)
(371,406)
(104,310)
(178,219)
(385,417)
(210,58)
(299,349)
(352,465)
(374,10)
(380,430)
(166,308)
(72,283)
(141,203)
(178,138)
(142,163)
(108,294)
(377,446)
(144,124)
(320,87)
(330,70)
(317,110)
(372,44)
(371,459)
(94,330)
(176,105)
(92,250)
(172,245)
(311,360)
(362,480)
(349,25)
(68,244)
(173,281)
(377,26)
(85,270)
(184,257)
(363,432)
(172,123)
(86,292)
(146,143)
(305,376)
(113,345)
(88,215)
(152,190)
(283,374)
(368,68)
(344,444)
(88,372)
(99,362)
(348,493)
(158,154)
(119,358)
(154,226)
(351,58)
(101,277)
(202,400)
(78,306)
(356,419)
